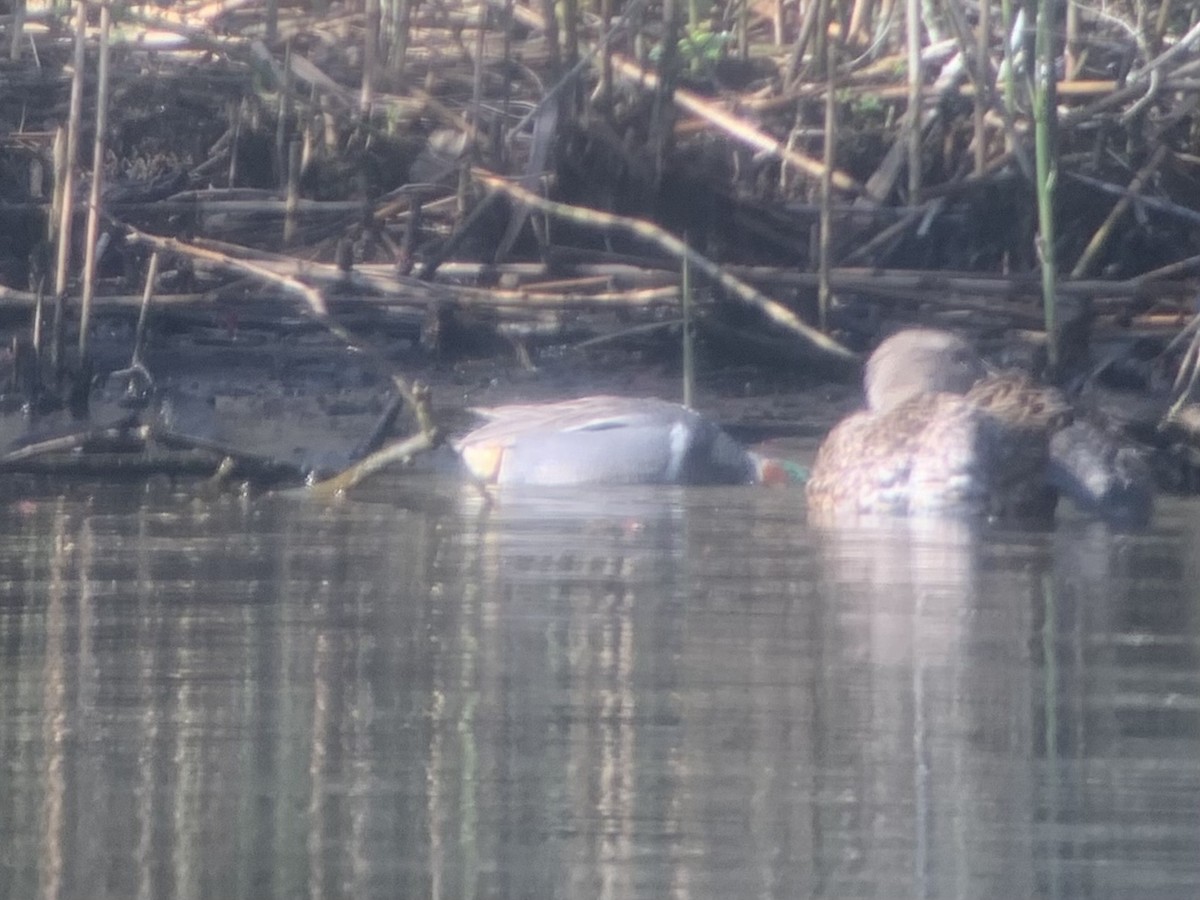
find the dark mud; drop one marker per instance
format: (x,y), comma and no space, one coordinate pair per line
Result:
(276,404)
(290,405)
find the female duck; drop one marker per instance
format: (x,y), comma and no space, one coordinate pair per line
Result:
(941,436)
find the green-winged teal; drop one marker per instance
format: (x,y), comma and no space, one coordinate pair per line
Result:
(940,435)
(605,440)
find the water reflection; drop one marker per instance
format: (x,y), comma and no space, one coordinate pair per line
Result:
(681,693)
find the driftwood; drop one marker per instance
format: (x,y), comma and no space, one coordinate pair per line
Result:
(180,31)
(671,244)
(141,450)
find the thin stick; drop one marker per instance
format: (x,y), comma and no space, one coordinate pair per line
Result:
(1009,106)
(1045,123)
(73,128)
(292,202)
(400,38)
(775,311)
(427,438)
(689,355)
(825,236)
(370,45)
(986,84)
(17,30)
(914,100)
(37,323)
(737,128)
(284,109)
(139,336)
(97,190)
(1100,238)
(312,296)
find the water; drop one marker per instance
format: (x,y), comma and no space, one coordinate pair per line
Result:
(619,694)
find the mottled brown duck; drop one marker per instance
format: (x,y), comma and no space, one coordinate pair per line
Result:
(943,436)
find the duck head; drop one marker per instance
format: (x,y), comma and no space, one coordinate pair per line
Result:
(917,362)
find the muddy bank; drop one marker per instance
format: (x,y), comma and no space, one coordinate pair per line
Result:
(251,404)
(313,198)
(290,406)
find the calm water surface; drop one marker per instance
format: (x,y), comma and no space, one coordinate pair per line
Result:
(619,694)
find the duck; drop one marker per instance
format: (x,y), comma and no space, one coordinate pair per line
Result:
(941,434)
(607,439)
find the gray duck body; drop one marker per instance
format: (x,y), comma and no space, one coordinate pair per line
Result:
(603,440)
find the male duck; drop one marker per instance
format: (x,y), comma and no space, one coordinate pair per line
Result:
(941,436)
(605,440)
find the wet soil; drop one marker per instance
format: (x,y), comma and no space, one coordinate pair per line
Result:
(303,402)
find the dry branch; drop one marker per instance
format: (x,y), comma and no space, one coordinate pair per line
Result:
(776,312)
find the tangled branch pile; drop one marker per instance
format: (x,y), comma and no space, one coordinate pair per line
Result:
(389,161)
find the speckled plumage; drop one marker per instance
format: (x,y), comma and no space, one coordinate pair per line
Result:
(940,436)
